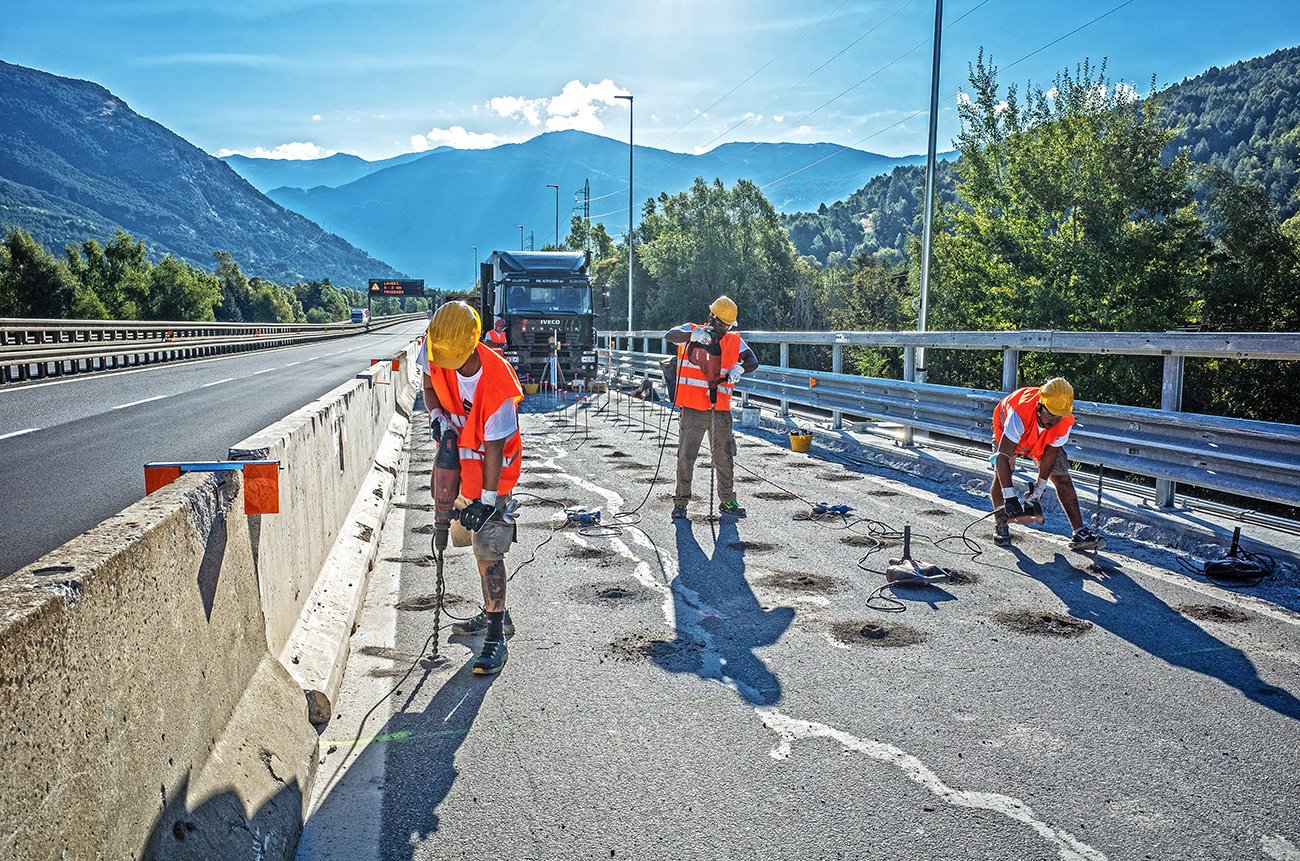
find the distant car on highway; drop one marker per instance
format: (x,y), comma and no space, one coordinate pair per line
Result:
(361,315)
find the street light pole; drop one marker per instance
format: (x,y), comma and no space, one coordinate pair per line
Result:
(930,159)
(630,208)
(557,213)
(521,236)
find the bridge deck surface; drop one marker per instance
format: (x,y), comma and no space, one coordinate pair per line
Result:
(704,690)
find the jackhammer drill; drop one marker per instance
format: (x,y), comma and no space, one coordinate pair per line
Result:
(446,487)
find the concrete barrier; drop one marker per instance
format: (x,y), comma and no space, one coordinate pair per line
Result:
(146,710)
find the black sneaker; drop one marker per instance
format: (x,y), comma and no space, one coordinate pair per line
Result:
(478,624)
(1085,539)
(679,512)
(1002,535)
(492,658)
(732,509)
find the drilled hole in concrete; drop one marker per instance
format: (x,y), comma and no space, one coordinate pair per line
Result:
(775,494)
(1042,623)
(419,603)
(617,454)
(1213,613)
(880,634)
(641,647)
(862,541)
(601,445)
(622,592)
(802,464)
(796,581)
(542,484)
(747,479)
(425,561)
(937,512)
(962,578)
(883,492)
(838,476)
(591,551)
(756,546)
(414,506)
(426,529)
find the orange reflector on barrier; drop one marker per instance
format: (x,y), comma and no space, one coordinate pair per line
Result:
(156,476)
(812,382)
(261,488)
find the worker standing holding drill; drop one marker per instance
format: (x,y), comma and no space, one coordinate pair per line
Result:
(472,394)
(710,361)
(1036,421)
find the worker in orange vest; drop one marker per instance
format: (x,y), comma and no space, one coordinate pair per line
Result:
(496,336)
(700,414)
(471,388)
(1036,422)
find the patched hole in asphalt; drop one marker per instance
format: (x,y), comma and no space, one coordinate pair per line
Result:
(550,501)
(627,467)
(591,551)
(772,454)
(617,454)
(746,546)
(1213,613)
(936,512)
(648,479)
(601,445)
(862,541)
(426,529)
(682,654)
(422,561)
(620,592)
(1042,623)
(795,581)
(881,634)
(414,506)
(802,464)
(959,577)
(775,494)
(418,603)
(838,476)
(883,492)
(747,479)
(542,484)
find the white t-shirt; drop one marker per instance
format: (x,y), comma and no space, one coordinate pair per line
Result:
(500,425)
(1013,429)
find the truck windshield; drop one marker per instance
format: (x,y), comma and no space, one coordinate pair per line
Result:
(549,300)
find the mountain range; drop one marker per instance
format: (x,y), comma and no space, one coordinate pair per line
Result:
(339,169)
(77,163)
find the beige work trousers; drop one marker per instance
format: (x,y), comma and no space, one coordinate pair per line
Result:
(692,427)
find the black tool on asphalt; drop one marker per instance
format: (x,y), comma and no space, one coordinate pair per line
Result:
(1238,565)
(907,570)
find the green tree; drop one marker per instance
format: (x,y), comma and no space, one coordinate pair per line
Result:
(179,291)
(33,283)
(236,296)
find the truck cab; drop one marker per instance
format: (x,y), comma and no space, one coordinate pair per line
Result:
(545,297)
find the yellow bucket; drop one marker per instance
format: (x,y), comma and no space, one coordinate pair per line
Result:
(800,440)
(530,388)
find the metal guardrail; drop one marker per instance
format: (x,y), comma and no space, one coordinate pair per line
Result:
(35,349)
(1253,459)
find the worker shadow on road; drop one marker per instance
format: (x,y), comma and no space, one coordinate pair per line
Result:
(718,619)
(419,748)
(1145,620)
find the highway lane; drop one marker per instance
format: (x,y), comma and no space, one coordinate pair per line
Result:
(72,451)
(696,690)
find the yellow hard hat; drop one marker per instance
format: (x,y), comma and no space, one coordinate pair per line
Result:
(1058,396)
(724,309)
(453,333)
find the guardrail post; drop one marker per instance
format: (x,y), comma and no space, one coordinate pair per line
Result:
(1010,369)
(837,367)
(1171,398)
(909,374)
(785,363)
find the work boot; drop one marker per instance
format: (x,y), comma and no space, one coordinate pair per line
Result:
(732,509)
(679,512)
(1002,535)
(1085,539)
(478,624)
(492,658)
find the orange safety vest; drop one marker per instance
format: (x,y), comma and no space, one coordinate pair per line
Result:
(692,387)
(497,385)
(1035,440)
(496,340)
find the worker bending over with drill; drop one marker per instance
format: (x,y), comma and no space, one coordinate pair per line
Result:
(705,401)
(471,392)
(1036,421)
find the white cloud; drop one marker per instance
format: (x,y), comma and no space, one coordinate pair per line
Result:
(577,105)
(963,98)
(315,118)
(778,118)
(457,137)
(292,151)
(517,106)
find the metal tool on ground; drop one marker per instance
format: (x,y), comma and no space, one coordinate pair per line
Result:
(446,487)
(826,509)
(582,517)
(1238,565)
(909,571)
(1024,509)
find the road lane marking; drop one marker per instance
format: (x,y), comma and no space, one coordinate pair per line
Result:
(143,401)
(18,433)
(1279,848)
(263,371)
(217,382)
(291,364)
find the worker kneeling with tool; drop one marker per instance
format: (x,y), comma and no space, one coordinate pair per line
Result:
(1036,422)
(710,360)
(471,393)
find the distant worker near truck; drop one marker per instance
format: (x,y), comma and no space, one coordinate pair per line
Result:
(496,336)
(1036,422)
(710,361)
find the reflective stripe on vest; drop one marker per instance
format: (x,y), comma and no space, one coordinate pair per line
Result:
(693,388)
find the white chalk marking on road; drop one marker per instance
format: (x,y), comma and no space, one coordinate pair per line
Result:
(217,382)
(790,730)
(1279,848)
(144,401)
(18,433)
(263,371)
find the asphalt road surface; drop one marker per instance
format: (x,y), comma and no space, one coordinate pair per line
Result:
(72,451)
(716,690)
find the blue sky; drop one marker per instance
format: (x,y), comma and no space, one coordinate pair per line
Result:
(382,77)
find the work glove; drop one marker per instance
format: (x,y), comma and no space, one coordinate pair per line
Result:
(1036,489)
(700,335)
(1011,504)
(733,376)
(476,515)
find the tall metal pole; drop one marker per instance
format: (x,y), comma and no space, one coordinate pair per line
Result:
(475,247)
(521,236)
(557,213)
(631,208)
(930,158)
